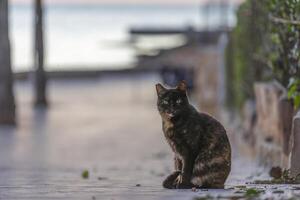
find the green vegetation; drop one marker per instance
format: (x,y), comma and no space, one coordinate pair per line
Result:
(264,45)
(85,174)
(252,193)
(294,91)
(280,177)
(243,193)
(207,197)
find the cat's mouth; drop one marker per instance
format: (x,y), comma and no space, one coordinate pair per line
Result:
(168,115)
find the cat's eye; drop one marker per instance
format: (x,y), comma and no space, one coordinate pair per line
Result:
(178,101)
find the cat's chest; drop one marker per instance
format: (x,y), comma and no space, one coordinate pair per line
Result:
(181,136)
(176,133)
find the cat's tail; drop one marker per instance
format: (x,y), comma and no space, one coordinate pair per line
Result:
(212,173)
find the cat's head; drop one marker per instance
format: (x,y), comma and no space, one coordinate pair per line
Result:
(172,102)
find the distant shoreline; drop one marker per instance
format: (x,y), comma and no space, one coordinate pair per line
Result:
(70,74)
(112,4)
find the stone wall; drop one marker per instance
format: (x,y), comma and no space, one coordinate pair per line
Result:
(295,146)
(268,129)
(275,132)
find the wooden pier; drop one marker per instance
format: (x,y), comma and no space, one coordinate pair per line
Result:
(202,36)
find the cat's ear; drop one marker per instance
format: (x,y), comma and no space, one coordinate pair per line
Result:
(182,86)
(160,89)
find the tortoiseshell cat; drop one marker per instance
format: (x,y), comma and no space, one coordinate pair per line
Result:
(202,149)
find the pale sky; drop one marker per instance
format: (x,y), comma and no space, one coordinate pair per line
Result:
(126,1)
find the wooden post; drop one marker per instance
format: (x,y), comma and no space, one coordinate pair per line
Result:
(40,75)
(7,102)
(295,146)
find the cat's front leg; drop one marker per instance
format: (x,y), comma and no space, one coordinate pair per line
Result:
(187,166)
(178,163)
(183,180)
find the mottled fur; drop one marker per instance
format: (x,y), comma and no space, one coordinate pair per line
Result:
(202,149)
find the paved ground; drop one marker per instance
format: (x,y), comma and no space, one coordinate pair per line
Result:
(109,127)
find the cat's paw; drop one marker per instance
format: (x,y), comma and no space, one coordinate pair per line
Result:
(169,182)
(182,183)
(178,180)
(185,185)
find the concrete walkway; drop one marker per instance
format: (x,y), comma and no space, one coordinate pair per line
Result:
(107,126)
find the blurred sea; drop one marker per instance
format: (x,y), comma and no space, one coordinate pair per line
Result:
(94,36)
